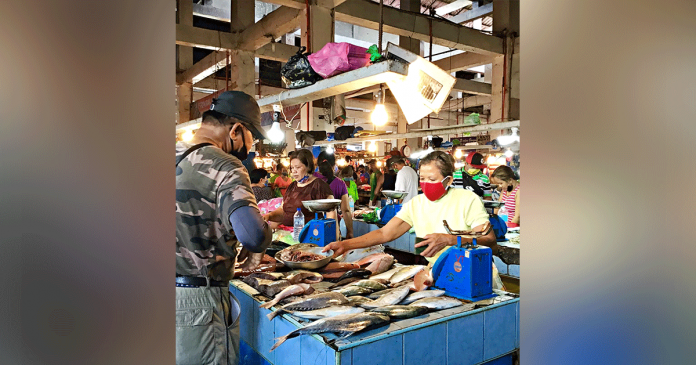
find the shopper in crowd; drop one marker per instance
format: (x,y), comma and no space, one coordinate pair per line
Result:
(347,175)
(212,186)
(462,210)
(389,176)
(406,178)
(339,191)
(259,184)
(463,178)
(281,181)
(305,187)
(363,175)
(504,177)
(376,181)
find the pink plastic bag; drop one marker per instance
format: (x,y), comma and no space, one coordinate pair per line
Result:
(267,206)
(336,58)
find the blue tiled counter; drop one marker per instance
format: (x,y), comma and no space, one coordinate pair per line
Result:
(404,243)
(463,335)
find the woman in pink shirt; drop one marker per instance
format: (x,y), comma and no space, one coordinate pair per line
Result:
(510,193)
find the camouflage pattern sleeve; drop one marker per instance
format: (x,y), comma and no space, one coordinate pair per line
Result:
(233,192)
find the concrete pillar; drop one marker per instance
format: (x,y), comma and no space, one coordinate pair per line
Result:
(415,46)
(505,19)
(320,32)
(184,92)
(242,70)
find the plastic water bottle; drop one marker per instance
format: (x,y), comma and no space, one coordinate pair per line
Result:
(503,213)
(351,204)
(297,225)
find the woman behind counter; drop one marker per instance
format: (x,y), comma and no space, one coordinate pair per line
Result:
(510,193)
(462,209)
(305,187)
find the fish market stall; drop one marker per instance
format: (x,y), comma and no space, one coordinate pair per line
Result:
(361,323)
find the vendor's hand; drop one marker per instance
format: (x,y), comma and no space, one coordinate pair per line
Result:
(435,243)
(273,225)
(253,260)
(337,247)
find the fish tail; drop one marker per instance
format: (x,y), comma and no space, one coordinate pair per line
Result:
(275,313)
(283,339)
(268,304)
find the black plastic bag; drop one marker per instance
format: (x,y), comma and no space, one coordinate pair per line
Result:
(297,72)
(344,132)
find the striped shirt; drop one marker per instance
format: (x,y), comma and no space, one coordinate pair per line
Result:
(509,199)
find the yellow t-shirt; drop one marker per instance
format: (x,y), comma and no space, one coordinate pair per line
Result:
(462,209)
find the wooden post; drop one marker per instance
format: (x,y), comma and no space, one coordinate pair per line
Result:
(184,92)
(320,21)
(242,70)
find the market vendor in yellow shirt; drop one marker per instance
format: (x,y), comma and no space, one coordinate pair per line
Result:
(461,208)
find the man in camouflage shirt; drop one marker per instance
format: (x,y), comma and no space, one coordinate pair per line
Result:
(215,210)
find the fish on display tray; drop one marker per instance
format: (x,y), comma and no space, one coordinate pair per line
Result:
(356,300)
(401,311)
(343,325)
(355,273)
(272,288)
(352,290)
(371,284)
(292,290)
(406,273)
(391,298)
(344,282)
(303,276)
(438,303)
(387,274)
(377,263)
(327,312)
(315,301)
(422,294)
(359,253)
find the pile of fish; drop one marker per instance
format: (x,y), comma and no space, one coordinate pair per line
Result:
(359,299)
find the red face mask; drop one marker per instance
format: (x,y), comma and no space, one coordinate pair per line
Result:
(433,190)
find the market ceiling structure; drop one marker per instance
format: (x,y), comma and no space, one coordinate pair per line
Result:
(457,25)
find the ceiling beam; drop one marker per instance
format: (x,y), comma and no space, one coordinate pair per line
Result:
(275,24)
(299,4)
(463,61)
(276,51)
(191,36)
(409,24)
(473,14)
(472,87)
(453,6)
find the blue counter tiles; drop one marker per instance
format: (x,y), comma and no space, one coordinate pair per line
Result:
(406,323)
(517,325)
(388,351)
(465,340)
(500,265)
(265,333)
(246,320)
(427,345)
(500,332)
(346,357)
(514,270)
(248,356)
(289,352)
(314,352)
(503,360)
(374,334)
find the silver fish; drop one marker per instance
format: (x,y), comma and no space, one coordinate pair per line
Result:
(390,298)
(370,284)
(422,294)
(380,293)
(316,301)
(344,282)
(343,325)
(355,300)
(405,273)
(381,265)
(272,288)
(401,311)
(328,312)
(352,290)
(386,274)
(437,303)
(297,289)
(303,276)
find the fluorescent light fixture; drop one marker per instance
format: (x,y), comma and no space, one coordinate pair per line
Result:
(509,153)
(511,138)
(423,90)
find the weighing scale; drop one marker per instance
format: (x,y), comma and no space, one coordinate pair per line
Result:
(465,272)
(499,225)
(392,207)
(321,231)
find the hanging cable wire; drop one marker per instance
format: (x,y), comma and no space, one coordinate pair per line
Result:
(381,24)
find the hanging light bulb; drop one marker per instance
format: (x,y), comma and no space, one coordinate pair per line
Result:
(275,134)
(329,150)
(509,153)
(379,163)
(379,115)
(458,154)
(372,147)
(285,162)
(187,136)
